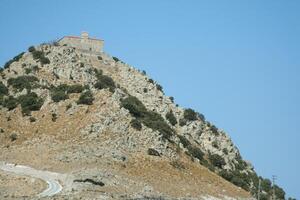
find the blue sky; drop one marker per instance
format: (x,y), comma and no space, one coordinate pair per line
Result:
(237,62)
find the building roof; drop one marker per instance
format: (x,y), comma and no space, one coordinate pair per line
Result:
(77,37)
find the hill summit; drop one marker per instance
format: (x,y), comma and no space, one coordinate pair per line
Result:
(110,132)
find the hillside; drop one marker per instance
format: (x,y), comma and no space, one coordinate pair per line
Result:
(89,116)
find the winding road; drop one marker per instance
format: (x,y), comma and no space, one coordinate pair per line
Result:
(50,178)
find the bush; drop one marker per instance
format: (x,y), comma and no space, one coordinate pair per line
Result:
(39,55)
(150,119)
(3,89)
(116,59)
(105,82)
(28,70)
(9,102)
(15,59)
(136,124)
(22,82)
(86,98)
(171,118)
(185,142)
(159,87)
(135,106)
(30,102)
(195,152)
(201,116)
(44,60)
(153,152)
(182,122)
(31,49)
(59,95)
(217,160)
(13,137)
(77,88)
(190,115)
(32,119)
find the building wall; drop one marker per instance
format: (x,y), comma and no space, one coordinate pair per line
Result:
(83,43)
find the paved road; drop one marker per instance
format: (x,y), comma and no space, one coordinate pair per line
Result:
(50,178)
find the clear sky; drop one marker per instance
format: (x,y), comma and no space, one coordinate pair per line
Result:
(237,62)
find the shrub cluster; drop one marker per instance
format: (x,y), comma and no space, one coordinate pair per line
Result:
(38,55)
(195,152)
(190,115)
(62,91)
(104,81)
(86,98)
(150,119)
(30,102)
(217,160)
(15,59)
(171,118)
(8,102)
(153,152)
(136,124)
(3,89)
(22,82)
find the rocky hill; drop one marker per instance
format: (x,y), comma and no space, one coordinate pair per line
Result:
(95,119)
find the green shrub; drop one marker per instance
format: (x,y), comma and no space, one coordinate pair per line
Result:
(225,151)
(28,70)
(32,119)
(3,89)
(59,93)
(145,90)
(30,102)
(31,49)
(195,152)
(77,88)
(9,102)
(159,87)
(116,59)
(44,60)
(105,82)
(171,118)
(54,117)
(13,137)
(15,59)
(153,152)
(217,160)
(37,54)
(22,82)
(135,106)
(86,98)
(185,142)
(150,80)
(201,117)
(136,124)
(182,122)
(190,115)
(150,119)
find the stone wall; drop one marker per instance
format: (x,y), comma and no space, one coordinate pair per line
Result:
(87,44)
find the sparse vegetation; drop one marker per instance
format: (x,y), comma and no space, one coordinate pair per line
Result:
(159,87)
(13,137)
(136,124)
(3,89)
(30,102)
(171,118)
(185,142)
(15,59)
(105,82)
(149,118)
(86,98)
(217,160)
(54,117)
(190,115)
(32,119)
(62,91)
(9,102)
(39,55)
(22,82)
(195,152)
(116,59)
(153,152)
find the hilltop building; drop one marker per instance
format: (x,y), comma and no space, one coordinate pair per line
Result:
(84,42)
